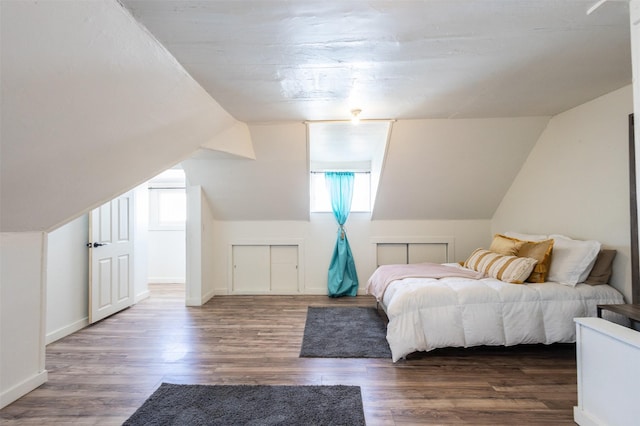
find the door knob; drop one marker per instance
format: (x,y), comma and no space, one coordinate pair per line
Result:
(95,245)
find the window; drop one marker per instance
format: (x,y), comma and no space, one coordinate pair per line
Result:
(167,208)
(341,146)
(167,201)
(320,201)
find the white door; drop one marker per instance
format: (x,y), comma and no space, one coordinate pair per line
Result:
(284,269)
(429,252)
(391,254)
(251,269)
(111,258)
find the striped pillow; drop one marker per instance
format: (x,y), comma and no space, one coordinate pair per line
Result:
(511,269)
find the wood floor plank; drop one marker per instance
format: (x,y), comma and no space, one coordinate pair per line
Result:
(103,373)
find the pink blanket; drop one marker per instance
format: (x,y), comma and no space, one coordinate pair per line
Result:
(385,274)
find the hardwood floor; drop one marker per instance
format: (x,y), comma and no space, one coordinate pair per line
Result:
(102,374)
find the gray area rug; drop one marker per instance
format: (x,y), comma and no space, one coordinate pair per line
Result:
(251,405)
(344,332)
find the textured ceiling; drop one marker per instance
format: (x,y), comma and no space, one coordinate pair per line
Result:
(268,60)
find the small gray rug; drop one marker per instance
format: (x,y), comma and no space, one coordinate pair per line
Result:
(344,332)
(251,405)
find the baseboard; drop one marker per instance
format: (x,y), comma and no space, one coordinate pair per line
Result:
(166,280)
(66,330)
(21,389)
(196,301)
(192,302)
(207,297)
(583,418)
(141,296)
(318,291)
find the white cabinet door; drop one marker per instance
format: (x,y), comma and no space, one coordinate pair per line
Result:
(434,253)
(284,269)
(391,254)
(264,269)
(403,253)
(251,269)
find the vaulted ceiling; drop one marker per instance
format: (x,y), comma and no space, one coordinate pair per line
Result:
(100,96)
(284,63)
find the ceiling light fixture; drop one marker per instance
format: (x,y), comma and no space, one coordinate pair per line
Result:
(355,116)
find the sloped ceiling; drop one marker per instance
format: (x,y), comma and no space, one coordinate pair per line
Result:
(91,106)
(435,169)
(453,169)
(275,186)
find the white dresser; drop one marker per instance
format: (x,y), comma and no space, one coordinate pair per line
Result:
(608,361)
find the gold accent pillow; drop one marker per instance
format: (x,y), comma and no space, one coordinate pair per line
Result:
(540,251)
(507,246)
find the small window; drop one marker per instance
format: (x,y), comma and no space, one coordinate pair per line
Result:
(321,202)
(168,201)
(167,208)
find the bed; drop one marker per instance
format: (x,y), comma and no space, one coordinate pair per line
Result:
(494,298)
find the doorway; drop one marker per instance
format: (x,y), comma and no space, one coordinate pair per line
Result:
(67,293)
(166,237)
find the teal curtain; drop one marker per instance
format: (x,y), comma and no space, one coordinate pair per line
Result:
(343,280)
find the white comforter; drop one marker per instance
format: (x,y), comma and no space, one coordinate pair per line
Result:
(426,313)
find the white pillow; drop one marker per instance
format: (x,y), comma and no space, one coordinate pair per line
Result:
(526,237)
(572,260)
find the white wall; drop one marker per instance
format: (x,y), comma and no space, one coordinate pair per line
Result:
(67,279)
(207,224)
(167,261)
(318,238)
(141,243)
(22,314)
(200,241)
(576,181)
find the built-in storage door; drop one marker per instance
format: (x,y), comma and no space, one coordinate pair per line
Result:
(284,269)
(251,269)
(393,253)
(264,269)
(419,253)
